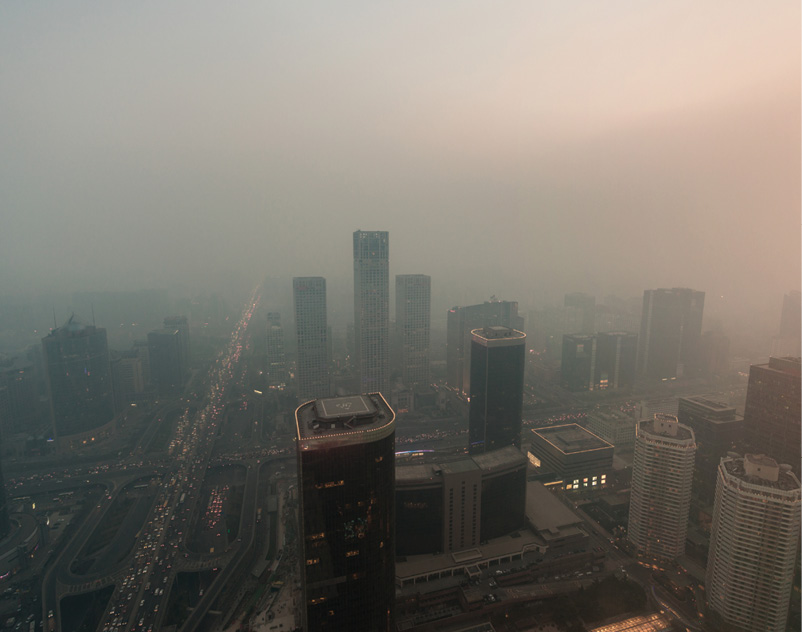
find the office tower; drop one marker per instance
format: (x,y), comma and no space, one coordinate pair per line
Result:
(79,379)
(791,317)
(753,544)
(497,388)
(461,322)
(772,412)
(671,328)
(614,426)
(714,353)
(311,331)
(346,474)
(662,476)
(616,354)
(19,406)
(372,310)
(166,361)
(182,325)
(578,363)
(586,305)
(717,430)
(412,322)
(143,353)
(276,360)
(128,378)
(598,362)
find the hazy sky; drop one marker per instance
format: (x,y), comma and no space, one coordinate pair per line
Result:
(522,148)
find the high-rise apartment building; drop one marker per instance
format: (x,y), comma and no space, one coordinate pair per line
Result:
(79,377)
(372,310)
(586,304)
(753,544)
(772,412)
(274,351)
(662,476)
(498,357)
(461,322)
(671,329)
(346,474)
(413,299)
(311,331)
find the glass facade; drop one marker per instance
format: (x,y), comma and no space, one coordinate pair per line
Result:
(79,378)
(497,382)
(347,480)
(503,504)
(419,521)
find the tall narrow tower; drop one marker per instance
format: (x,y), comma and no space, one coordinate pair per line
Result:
(312,336)
(372,310)
(753,542)
(498,356)
(413,298)
(346,475)
(671,331)
(662,476)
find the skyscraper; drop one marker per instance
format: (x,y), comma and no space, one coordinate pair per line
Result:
(461,322)
(717,430)
(346,474)
(498,357)
(412,322)
(79,378)
(274,347)
(166,360)
(753,543)
(577,371)
(662,475)
(311,333)
(182,325)
(616,354)
(372,310)
(671,329)
(772,412)
(586,304)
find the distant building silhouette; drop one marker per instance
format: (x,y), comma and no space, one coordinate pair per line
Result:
(311,331)
(791,317)
(671,329)
(346,477)
(461,322)
(586,304)
(772,412)
(372,310)
(498,360)
(662,477)
(166,360)
(79,378)
(598,362)
(413,296)
(182,325)
(753,543)
(276,358)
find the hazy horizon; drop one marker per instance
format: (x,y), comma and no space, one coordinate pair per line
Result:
(521,151)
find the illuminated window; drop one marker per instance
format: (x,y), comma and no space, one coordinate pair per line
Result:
(569,487)
(352,554)
(312,561)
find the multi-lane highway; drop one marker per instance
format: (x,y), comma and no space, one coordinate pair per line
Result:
(143,583)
